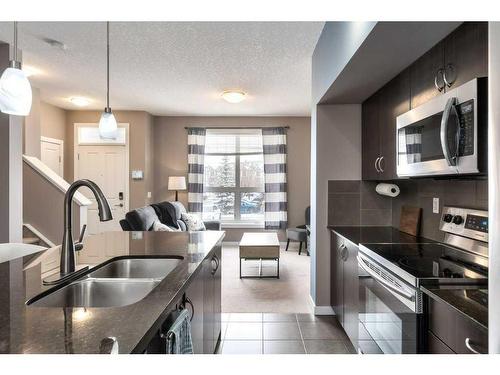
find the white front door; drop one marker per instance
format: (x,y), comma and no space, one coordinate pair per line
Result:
(106,165)
(52,154)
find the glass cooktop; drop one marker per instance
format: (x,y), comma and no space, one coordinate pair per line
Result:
(428,260)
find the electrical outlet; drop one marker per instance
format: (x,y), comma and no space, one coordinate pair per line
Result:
(435,205)
(149,194)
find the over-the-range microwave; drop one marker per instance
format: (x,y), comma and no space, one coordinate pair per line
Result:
(446,135)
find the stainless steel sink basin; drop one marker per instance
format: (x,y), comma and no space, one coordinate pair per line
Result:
(136,268)
(98,293)
(121,282)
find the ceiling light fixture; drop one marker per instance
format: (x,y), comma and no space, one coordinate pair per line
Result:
(108,128)
(79,101)
(15,88)
(233,96)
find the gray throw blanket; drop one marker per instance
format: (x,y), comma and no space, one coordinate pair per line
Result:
(179,335)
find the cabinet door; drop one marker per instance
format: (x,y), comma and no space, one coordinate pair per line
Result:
(466,49)
(351,293)
(195,294)
(422,75)
(370,137)
(394,101)
(208,307)
(436,346)
(217,295)
(337,277)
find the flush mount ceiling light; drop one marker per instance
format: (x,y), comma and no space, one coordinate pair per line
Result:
(79,101)
(15,88)
(233,96)
(108,128)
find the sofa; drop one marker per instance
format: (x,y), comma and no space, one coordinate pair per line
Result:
(168,213)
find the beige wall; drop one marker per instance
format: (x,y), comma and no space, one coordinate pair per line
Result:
(170,156)
(32,128)
(140,151)
(336,155)
(52,121)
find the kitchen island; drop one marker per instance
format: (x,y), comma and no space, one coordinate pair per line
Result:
(32,329)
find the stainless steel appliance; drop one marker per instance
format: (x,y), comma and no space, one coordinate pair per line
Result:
(446,135)
(391,305)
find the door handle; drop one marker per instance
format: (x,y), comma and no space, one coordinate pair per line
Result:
(376,164)
(438,86)
(119,205)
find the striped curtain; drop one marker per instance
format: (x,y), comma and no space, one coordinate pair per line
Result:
(274,145)
(196,156)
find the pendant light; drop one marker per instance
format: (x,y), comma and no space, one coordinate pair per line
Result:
(108,128)
(15,88)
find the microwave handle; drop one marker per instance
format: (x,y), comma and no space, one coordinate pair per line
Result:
(450,106)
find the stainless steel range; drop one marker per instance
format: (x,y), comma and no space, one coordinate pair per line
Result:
(391,304)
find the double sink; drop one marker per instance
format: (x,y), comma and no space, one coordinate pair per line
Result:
(118,282)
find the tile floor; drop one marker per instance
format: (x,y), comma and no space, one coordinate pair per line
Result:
(266,333)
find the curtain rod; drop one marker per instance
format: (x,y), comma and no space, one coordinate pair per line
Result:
(241,127)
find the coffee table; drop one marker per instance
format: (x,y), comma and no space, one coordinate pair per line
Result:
(259,246)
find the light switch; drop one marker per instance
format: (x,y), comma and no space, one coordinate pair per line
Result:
(149,194)
(137,235)
(435,205)
(137,175)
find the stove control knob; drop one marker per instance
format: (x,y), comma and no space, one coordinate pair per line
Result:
(447,218)
(457,219)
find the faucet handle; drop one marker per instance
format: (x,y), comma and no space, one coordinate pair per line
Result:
(79,243)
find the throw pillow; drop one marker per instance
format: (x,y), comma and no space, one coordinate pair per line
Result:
(160,227)
(193,222)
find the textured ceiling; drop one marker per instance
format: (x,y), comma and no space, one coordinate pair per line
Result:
(174,68)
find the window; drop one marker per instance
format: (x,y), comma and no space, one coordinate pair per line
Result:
(234,176)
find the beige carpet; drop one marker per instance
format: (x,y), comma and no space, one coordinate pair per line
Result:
(288,294)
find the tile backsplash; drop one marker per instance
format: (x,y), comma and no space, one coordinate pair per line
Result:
(353,203)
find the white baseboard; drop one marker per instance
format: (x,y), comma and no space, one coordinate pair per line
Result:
(320,310)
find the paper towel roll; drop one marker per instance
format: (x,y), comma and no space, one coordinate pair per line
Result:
(390,190)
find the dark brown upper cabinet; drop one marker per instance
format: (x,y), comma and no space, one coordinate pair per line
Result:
(425,74)
(466,53)
(370,137)
(379,114)
(394,101)
(458,58)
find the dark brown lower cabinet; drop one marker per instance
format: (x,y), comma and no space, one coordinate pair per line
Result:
(345,284)
(460,334)
(195,294)
(436,346)
(212,301)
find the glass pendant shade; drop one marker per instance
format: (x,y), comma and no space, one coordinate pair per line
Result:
(108,128)
(15,92)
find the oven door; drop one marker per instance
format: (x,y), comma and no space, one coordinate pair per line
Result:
(440,136)
(388,312)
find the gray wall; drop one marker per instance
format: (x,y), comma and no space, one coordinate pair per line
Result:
(336,155)
(337,43)
(494,183)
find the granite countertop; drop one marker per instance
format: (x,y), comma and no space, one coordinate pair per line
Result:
(30,329)
(469,301)
(364,234)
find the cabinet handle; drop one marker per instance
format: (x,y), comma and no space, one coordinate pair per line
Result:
(447,81)
(469,345)
(380,165)
(438,86)
(215,264)
(343,252)
(376,164)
